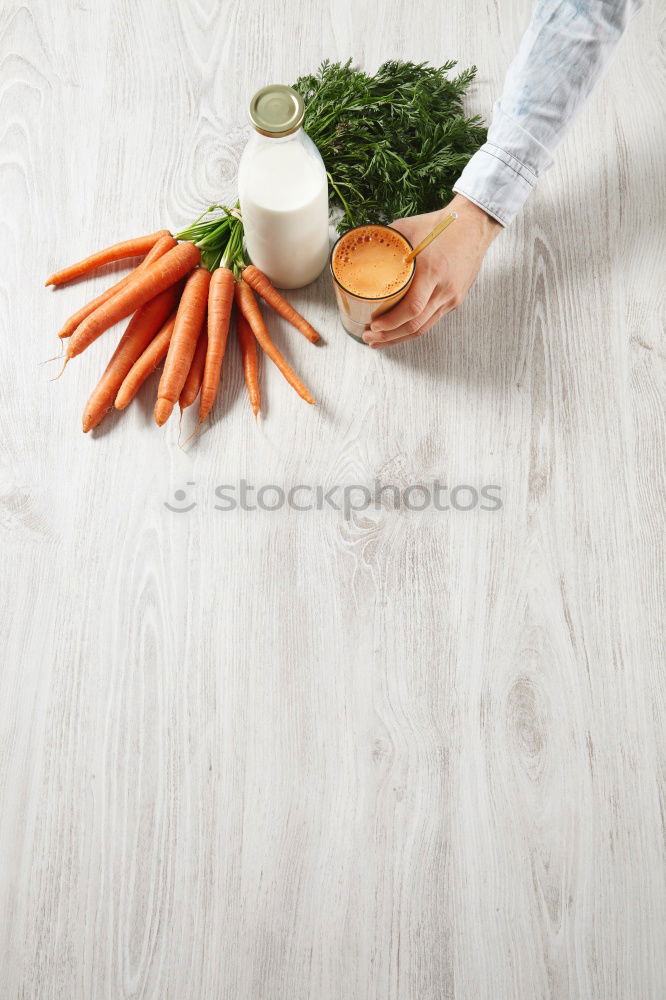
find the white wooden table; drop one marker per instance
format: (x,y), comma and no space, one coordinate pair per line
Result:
(403,756)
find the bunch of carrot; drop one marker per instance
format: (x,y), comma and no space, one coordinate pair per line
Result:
(180,299)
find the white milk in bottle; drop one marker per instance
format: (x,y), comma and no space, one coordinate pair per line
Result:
(283,191)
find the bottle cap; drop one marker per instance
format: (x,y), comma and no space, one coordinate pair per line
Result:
(277,110)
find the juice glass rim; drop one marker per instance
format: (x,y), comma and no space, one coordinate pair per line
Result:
(370,298)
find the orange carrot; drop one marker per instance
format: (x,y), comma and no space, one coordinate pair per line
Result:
(119,251)
(163,244)
(220,302)
(258,281)
(155,353)
(142,287)
(248,349)
(250,309)
(195,374)
(189,321)
(143,326)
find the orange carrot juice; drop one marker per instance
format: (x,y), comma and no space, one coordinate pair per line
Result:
(369,274)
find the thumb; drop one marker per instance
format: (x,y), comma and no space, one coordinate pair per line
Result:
(409,308)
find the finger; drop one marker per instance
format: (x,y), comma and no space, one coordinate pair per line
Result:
(409,308)
(435,309)
(410,327)
(381,344)
(414,336)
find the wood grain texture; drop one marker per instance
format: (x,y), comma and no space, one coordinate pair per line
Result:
(399,756)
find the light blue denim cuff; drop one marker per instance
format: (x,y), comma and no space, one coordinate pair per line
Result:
(501,175)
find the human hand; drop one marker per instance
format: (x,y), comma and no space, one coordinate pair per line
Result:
(444,271)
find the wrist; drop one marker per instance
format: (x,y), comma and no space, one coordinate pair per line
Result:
(488,227)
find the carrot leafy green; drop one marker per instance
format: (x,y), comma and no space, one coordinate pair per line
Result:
(394,143)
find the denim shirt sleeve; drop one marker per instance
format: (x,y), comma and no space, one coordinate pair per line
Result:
(562,55)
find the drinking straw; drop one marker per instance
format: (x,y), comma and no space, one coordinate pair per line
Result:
(430,237)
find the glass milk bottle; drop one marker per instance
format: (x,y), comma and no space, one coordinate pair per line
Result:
(283,191)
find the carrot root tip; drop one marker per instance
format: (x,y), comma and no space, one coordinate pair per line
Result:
(55,379)
(163,410)
(193,434)
(56,357)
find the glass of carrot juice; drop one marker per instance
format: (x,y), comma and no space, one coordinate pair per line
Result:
(369,274)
